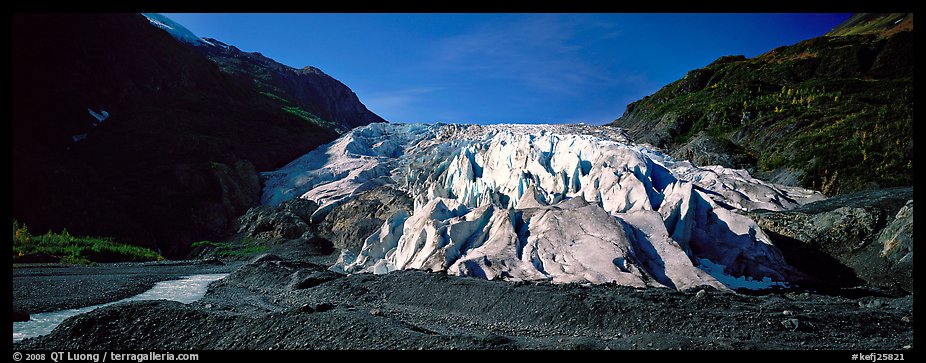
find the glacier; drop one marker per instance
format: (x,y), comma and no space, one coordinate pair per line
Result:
(557,203)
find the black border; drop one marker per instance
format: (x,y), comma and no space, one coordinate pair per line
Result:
(483,6)
(472,6)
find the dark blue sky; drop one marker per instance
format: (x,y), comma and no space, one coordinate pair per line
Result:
(517,68)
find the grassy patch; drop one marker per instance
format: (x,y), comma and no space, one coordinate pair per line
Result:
(227,249)
(74,249)
(308,116)
(275,97)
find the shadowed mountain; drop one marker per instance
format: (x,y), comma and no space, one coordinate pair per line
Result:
(307,89)
(121,130)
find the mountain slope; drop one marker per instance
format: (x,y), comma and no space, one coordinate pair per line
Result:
(174,29)
(121,130)
(307,89)
(307,93)
(874,23)
(833,113)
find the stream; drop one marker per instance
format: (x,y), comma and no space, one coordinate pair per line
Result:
(185,290)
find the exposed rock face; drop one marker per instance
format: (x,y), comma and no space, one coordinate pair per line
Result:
(704,150)
(285,229)
(287,221)
(870,232)
(348,225)
(237,188)
(896,241)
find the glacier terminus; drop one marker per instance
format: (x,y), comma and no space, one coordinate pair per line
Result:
(561,203)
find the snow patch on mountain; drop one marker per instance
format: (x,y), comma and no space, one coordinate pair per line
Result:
(175,29)
(563,203)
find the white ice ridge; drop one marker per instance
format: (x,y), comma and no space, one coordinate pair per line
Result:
(564,203)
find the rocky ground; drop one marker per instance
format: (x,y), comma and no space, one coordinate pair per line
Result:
(272,303)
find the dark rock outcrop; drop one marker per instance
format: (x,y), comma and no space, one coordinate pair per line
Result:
(288,228)
(236,186)
(871,233)
(349,224)
(284,229)
(287,221)
(703,150)
(175,160)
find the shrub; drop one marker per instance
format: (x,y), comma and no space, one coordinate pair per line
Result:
(78,250)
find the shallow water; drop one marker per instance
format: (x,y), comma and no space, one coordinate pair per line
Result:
(185,290)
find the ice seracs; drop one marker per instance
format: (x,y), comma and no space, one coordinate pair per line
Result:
(563,203)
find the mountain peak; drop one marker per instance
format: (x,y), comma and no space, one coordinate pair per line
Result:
(306,91)
(312,69)
(175,29)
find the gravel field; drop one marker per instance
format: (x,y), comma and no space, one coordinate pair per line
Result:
(272,303)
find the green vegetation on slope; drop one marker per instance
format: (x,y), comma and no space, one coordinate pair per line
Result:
(228,249)
(274,97)
(299,111)
(308,116)
(74,249)
(308,89)
(836,111)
